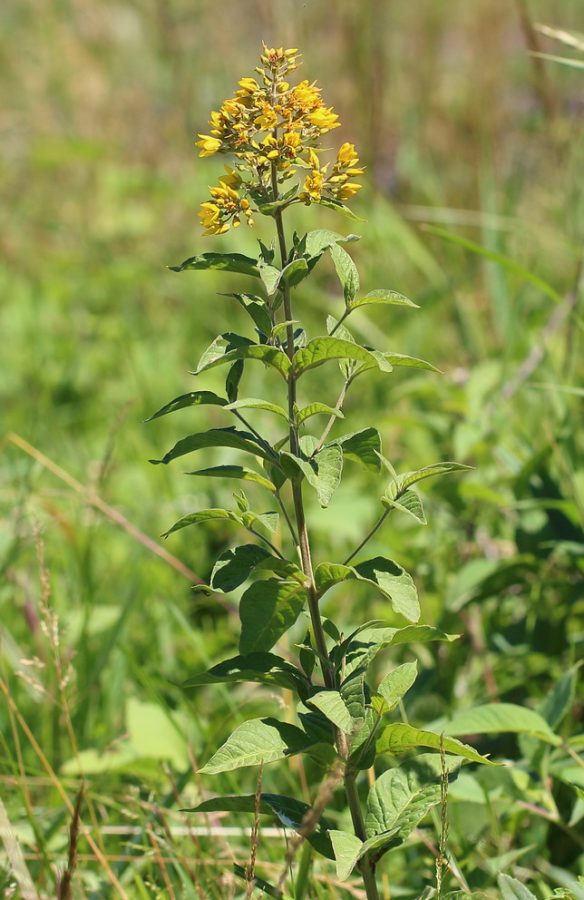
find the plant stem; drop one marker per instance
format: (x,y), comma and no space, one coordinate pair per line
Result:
(340,322)
(366,867)
(303,874)
(368,537)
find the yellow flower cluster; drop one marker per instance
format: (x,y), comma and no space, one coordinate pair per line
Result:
(272,129)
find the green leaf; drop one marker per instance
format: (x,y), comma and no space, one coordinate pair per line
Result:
(319,350)
(346,848)
(254,403)
(203,515)
(261,884)
(235,566)
(383,296)
(338,207)
(239,472)
(320,240)
(323,471)
(256,309)
(270,356)
(290,812)
(412,362)
(316,409)
(386,575)
(193,398)
(504,261)
(402,797)
(347,272)
(234,375)
(495,717)
(409,503)
(399,485)
(270,277)
(294,272)
(332,705)
(360,652)
(356,694)
(263,668)
(269,520)
(393,687)
(255,742)
(399,738)
(227,262)
(511,889)
(267,610)
(363,447)
(218,437)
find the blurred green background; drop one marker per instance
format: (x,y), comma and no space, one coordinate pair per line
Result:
(462,129)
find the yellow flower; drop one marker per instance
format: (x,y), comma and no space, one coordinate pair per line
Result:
(209,145)
(347,154)
(248,86)
(324,119)
(267,118)
(348,190)
(313,186)
(232,179)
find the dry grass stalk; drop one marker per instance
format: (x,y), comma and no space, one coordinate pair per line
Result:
(65,884)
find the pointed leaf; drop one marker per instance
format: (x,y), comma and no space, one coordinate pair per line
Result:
(193,398)
(332,705)
(409,503)
(234,376)
(227,262)
(359,653)
(512,889)
(256,308)
(323,471)
(290,812)
(254,403)
(320,240)
(235,566)
(270,277)
(263,668)
(383,296)
(338,207)
(268,520)
(401,797)
(319,350)
(363,447)
(270,356)
(495,717)
(385,574)
(262,885)
(294,272)
(347,272)
(218,437)
(393,687)
(399,738)
(346,847)
(412,362)
(255,742)
(356,694)
(399,485)
(203,515)
(267,610)
(239,472)
(316,409)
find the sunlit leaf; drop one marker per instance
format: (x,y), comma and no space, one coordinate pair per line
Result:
(263,668)
(399,738)
(217,437)
(227,262)
(239,472)
(255,742)
(383,296)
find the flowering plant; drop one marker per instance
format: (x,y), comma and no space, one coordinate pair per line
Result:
(345,722)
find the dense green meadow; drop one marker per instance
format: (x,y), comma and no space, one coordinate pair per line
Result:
(474,202)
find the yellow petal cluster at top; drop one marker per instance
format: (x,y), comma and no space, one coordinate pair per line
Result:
(273,129)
